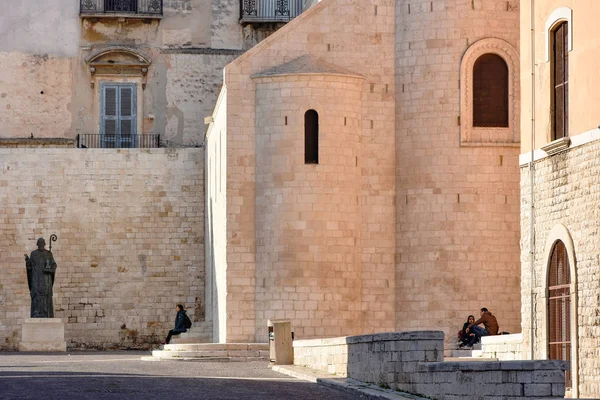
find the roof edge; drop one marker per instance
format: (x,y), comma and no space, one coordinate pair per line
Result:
(290,26)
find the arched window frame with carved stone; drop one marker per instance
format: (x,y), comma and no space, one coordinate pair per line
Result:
(489,136)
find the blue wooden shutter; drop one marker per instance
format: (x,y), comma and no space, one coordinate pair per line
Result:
(118,115)
(109,116)
(127,115)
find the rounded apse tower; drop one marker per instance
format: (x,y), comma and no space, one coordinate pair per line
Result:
(307,211)
(457,147)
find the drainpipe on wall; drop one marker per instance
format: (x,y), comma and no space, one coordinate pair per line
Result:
(531,183)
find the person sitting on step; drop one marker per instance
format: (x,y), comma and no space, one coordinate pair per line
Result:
(467,339)
(488,320)
(182,323)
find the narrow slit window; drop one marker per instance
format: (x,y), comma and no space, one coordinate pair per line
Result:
(490,92)
(311,137)
(560,84)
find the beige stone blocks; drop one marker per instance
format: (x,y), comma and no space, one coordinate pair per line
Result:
(458,233)
(308,225)
(566,192)
(130,243)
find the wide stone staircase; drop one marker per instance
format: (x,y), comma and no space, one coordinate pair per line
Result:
(195,345)
(211,352)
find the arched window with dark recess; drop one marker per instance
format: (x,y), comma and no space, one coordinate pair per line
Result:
(490,92)
(311,137)
(559,307)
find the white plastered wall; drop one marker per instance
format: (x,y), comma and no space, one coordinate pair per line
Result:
(216,220)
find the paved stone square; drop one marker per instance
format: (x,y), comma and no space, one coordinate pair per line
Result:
(122,375)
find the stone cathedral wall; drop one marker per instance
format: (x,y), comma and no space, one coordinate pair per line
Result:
(355,36)
(130,227)
(308,215)
(457,195)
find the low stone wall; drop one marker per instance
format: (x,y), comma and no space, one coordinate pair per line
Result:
(413,362)
(329,355)
(488,380)
(504,347)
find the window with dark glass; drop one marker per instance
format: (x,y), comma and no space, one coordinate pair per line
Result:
(560,89)
(311,137)
(490,92)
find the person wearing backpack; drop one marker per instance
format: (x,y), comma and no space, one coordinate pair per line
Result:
(182,324)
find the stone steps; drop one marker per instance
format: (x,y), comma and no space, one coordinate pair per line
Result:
(200,332)
(456,352)
(211,352)
(454,359)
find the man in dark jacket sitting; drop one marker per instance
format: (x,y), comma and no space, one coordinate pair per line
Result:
(180,323)
(488,320)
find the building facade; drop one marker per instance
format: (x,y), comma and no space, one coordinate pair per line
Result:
(360,190)
(559,187)
(102,106)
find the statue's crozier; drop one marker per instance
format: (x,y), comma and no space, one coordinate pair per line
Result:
(40,278)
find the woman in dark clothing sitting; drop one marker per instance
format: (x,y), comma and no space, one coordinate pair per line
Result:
(180,322)
(467,339)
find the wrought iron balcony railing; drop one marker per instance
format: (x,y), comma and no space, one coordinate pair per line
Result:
(252,11)
(92,141)
(123,8)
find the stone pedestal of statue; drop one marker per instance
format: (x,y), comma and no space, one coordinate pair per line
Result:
(43,334)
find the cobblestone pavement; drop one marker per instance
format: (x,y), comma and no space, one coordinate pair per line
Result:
(122,375)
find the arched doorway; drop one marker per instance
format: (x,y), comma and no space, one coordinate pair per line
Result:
(559,307)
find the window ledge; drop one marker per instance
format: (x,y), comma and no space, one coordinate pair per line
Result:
(557,146)
(120,15)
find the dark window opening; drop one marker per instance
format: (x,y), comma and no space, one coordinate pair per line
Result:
(124,6)
(560,84)
(311,137)
(490,92)
(559,307)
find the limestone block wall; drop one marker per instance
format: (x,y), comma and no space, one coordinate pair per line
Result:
(308,215)
(327,31)
(130,226)
(413,362)
(457,204)
(184,91)
(504,347)
(330,355)
(567,194)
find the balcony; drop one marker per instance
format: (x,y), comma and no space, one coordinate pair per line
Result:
(93,141)
(264,11)
(152,9)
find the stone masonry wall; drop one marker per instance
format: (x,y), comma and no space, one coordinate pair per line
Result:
(567,192)
(308,266)
(327,32)
(413,362)
(130,226)
(457,206)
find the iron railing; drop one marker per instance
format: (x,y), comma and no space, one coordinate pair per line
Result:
(95,141)
(269,10)
(125,7)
